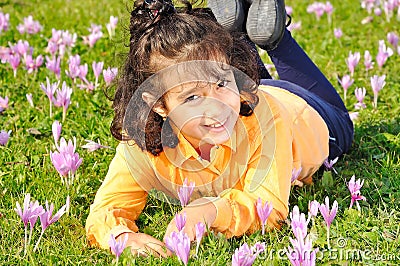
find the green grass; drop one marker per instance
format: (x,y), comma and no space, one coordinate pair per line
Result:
(25,165)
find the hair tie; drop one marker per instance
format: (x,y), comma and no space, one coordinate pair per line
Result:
(156,7)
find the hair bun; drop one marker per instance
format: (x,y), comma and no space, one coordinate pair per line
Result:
(155,8)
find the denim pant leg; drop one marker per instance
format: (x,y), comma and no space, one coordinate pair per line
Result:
(337,120)
(294,65)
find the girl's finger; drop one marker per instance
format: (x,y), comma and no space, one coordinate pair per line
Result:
(159,248)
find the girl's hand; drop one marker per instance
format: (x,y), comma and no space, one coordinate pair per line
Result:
(143,245)
(200,210)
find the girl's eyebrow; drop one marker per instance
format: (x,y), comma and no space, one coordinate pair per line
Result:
(185,94)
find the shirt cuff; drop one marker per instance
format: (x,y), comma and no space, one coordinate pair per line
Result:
(224,213)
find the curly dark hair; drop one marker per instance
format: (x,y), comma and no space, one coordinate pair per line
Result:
(176,35)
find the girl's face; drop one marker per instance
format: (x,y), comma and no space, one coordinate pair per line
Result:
(205,112)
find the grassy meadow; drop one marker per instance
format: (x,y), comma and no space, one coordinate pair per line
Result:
(370,236)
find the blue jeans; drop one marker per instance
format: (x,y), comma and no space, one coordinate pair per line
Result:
(299,75)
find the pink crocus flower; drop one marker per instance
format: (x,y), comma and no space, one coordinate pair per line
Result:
(97,69)
(360,95)
(200,229)
(393,39)
(47,218)
(109,74)
(25,212)
(29,26)
(14,61)
(383,53)
(352,61)
(66,160)
(328,8)
(289,10)
(354,188)
(30,99)
(245,255)
(185,192)
(302,253)
(52,48)
(74,63)
(54,65)
(368,61)
(388,8)
(295,174)
(4,136)
(56,130)
(22,48)
(5,52)
(111,26)
(368,5)
(377,84)
(68,39)
(329,164)
(353,116)
(83,70)
(328,214)
(3,103)
(28,214)
(313,207)
(179,243)
(92,146)
(87,85)
(4,22)
(294,26)
(33,64)
(63,98)
(317,8)
(263,212)
(377,12)
(94,36)
(298,222)
(346,82)
(180,220)
(49,89)
(117,247)
(338,33)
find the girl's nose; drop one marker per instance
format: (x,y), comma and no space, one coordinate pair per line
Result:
(214,107)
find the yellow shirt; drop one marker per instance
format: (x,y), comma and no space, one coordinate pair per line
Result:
(283,133)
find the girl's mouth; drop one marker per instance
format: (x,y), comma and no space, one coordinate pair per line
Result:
(217,126)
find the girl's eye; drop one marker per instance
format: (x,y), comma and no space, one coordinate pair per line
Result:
(192,98)
(222,83)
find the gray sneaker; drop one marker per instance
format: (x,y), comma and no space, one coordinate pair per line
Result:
(266,22)
(229,13)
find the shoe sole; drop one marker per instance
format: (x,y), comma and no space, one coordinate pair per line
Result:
(266,22)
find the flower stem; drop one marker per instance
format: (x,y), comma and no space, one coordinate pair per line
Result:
(64,114)
(37,243)
(30,236)
(25,240)
(328,236)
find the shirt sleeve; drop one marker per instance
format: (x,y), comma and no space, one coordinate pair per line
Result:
(267,177)
(117,204)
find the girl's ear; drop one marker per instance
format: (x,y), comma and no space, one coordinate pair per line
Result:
(154,104)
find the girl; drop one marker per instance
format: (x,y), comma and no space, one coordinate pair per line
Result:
(189,105)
